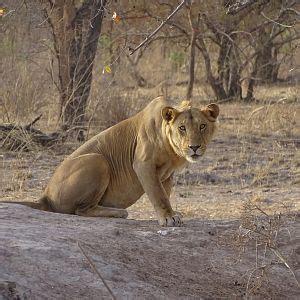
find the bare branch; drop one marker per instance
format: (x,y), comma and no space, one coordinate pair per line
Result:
(33,122)
(239,5)
(287,40)
(159,27)
(275,22)
(171,23)
(278,254)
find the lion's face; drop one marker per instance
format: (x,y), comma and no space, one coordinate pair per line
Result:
(190,131)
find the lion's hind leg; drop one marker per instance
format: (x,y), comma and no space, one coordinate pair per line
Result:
(96,179)
(78,186)
(102,211)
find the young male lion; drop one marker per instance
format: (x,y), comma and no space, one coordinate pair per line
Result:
(112,170)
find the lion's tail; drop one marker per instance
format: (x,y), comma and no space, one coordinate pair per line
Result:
(42,204)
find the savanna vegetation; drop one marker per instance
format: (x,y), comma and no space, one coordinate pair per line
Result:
(71,68)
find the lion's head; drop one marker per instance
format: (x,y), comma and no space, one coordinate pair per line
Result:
(190,130)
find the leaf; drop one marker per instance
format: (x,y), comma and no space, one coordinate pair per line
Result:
(2,11)
(107,69)
(116,17)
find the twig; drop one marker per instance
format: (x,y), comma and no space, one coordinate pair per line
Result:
(33,122)
(264,106)
(278,254)
(8,13)
(261,211)
(293,10)
(255,111)
(96,271)
(159,27)
(250,276)
(275,22)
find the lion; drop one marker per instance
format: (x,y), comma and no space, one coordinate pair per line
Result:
(112,170)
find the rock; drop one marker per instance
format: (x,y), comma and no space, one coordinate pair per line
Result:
(56,256)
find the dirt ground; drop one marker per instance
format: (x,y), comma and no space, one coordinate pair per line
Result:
(254,158)
(47,256)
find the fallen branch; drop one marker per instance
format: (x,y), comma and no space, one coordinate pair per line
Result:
(17,137)
(147,39)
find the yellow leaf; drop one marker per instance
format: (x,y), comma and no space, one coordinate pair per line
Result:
(2,11)
(107,69)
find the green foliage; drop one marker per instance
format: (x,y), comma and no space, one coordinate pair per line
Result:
(177,58)
(7,47)
(105,41)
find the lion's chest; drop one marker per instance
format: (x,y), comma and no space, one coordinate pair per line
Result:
(164,172)
(166,166)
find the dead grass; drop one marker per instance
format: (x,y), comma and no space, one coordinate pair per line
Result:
(263,233)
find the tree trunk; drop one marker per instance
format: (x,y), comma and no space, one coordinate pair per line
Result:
(234,88)
(189,92)
(194,24)
(252,81)
(267,65)
(215,84)
(223,62)
(276,66)
(114,50)
(134,61)
(228,69)
(76,31)
(139,79)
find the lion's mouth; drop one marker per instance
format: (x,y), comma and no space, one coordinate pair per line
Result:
(195,156)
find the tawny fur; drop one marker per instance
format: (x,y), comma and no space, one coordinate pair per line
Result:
(112,170)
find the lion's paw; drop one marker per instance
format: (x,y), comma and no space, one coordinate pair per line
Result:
(171,221)
(178,213)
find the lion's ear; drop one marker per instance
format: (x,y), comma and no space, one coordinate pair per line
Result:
(169,113)
(211,111)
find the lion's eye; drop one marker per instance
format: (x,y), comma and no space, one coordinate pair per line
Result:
(182,128)
(202,126)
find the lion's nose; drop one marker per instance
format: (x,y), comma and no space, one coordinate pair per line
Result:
(194,147)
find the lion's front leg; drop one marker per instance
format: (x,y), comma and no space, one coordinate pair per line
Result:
(159,197)
(168,185)
(170,220)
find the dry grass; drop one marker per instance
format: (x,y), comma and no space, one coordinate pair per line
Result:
(263,233)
